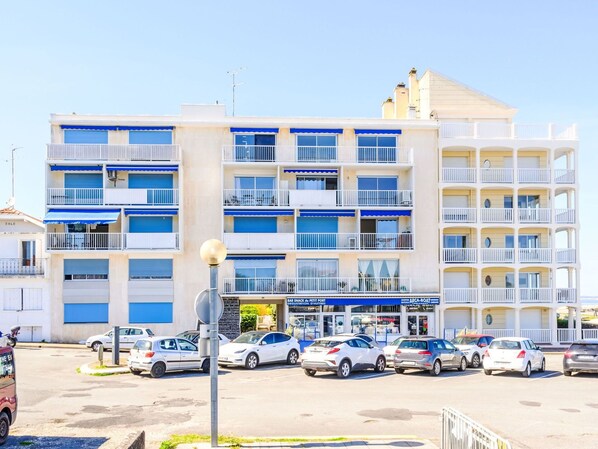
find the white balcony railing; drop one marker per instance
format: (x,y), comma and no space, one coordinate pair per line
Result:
(249,153)
(497,255)
(316,154)
(451,174)
(498,295)
(535,295)
(533,175)
(537,335)
(534,255)
(391,198)
(22,267)
(496,215)
(534,215)
(565,335)
(460,295)
(566,255)
(252,197)
(498,333)
(149,197)
(259,241)
(459,214)
(459,255)
(566,295)
(364,241)
(83,241)
(564,176)
(496,175)
(485,130)
(155,240)
(588,334)
(314,198)
(102,152)
(564,216)
(75,197)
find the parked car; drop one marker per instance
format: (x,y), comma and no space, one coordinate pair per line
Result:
(581,356)
(342,354)
(128,337)
(8,392)
(473,346)
(389,350)
(368,338)
(257,347)
(193,337)
(431,354)
(159,355)
(513,354)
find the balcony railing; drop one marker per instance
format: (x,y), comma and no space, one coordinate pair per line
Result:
(564,216)
(97,196)
(534,255)
(566,255)
(496,175)
(506,175)
(535,295)
(498,333)
(252,197)
(497,255)
(534,215)
(484,130)
(450,174)
(154,240)
(537,335)
(316,154)
(496,215)
(566,295)
(533,175)
(249,153)
(316,285)
(100,241)
(459,255)
(259,241)
(22,267)
(391,198)
(564,176)
(460,295)
(459,214)
(498,295)
(102,152)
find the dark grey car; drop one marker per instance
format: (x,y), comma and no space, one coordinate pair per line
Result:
(581,356)
(431,354)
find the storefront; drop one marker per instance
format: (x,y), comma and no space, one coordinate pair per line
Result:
(383,318)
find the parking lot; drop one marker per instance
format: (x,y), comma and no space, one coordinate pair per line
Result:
(547,410)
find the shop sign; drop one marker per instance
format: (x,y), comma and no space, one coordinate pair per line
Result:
(420,301)
(306,301)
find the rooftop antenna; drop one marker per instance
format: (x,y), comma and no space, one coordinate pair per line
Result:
(234,73)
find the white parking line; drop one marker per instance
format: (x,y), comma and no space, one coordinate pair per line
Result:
(544,376)
(369,376)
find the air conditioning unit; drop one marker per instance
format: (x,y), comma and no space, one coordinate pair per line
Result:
(352,242)
(112,175)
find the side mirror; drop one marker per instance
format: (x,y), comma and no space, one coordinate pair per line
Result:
(263,342)
(371,346)
(483,345)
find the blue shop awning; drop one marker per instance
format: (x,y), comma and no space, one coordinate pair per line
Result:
(161,168)
(386,213)
(378,131)
(332,171)
(75,168)
(258,212)
(151,212)
(81,216)
(254,130)
(255,257)
(316,130)
(117,128)
(326,213)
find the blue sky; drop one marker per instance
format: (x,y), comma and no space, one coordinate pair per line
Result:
(309,58)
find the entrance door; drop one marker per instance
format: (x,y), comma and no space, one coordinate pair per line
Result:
(333,324)
(420,324)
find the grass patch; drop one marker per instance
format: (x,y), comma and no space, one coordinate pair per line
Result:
(236,442)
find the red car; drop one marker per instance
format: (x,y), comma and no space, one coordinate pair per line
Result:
(8,392)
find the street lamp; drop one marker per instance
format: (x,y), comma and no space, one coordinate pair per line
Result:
(213,252)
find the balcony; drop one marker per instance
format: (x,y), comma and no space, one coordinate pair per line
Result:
(498,295)
(101,152)
(535,295)
(22,267)
(566,295)
(566,255)
(153,240)
(564,176)
(458,175)
(378,198)
(484,130)
(496,175)
(254,197)
(101,197)
(537,335)
(496,215)
(459,214)
(535,255)
(534,215)
(564,216)
(459,255)
(99,241)
(322,198)
(316,154)
(533,175)
(464,295)
(497,255)
(259,241)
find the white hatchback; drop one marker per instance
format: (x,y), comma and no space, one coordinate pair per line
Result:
(257,347)
(513,354)
(128,337)
(161,354)
(342,355)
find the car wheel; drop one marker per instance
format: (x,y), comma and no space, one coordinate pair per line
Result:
(95,346)
(475,360)
(205,366)
(4,427)
(380,364)
(488,372)
(527,371)
(135,372)
(399,370)
(463,365)
(543,366)
(158,370)
(251,361)
(436,368)
(310,372)
(567,373)
(292,357)
(344,369)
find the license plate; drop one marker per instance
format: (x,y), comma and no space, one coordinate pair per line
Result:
(223,359)
(585,357)
(408,363)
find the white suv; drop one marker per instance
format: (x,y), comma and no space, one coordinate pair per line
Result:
(513,354)
(161,354)
(128,337)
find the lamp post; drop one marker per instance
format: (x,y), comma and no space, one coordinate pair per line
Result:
(213,252)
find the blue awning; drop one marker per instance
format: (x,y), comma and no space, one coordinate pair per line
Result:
(118,128)
(81,216)
(378,131)
(316,131)
(386,213)
(254,130)
(258,212)
(326,213)
(151,212)
(333,171)
(253,257)
(75,168)
(163,168)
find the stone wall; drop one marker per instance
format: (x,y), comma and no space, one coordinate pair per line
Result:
(230,323)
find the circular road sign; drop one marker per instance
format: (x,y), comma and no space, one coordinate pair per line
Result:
(202,306)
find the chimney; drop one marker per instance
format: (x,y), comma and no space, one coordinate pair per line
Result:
(401,94)
(413,90)
(388,108)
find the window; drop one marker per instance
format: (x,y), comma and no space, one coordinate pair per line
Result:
(361,344)
(523,201)
(255,275)
(186,346)
(526,280)
(150,137)
(18,299)
(168,344)
(455,241)
(379,275)
(377,191)
(524,241)
(317,232)
(376,148)
(317,183)
(85,136)
(7,370)
(28,253)
(254,191)
(380,233)
(150,269)
(85,269)
(255,147)
(316,147)
(281,338)
(269,339)
(317,275)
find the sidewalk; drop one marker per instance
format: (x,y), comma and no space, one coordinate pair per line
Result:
(23,344)
(351,443)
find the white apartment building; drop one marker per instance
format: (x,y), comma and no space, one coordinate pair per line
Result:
(24,283)
(362,225)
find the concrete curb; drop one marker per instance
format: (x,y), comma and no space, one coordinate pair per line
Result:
(86,369)
(51,345)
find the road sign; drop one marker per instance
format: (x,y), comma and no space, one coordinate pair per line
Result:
(202,306)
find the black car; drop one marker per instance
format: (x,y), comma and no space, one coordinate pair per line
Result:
(581,356)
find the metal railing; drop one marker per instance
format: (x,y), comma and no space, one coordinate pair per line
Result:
(104,152)
(496,175)
(377,155)
(459,255)
(460,295)
(534,215)
(564,216)
(22,267)
(316,153)
(365,241)
(451,174)
(459,214)
(249,153)
(484,130)
(534,255)
(537,335)
(498,295)
(75,196)
(395,198)
(461,432)
(496,215)
(149,197)
(84,241)
(497,333)
(589,334)
(535,295)
(565,335)
(566,295)
(566,255)
(533,175)
(251,197)
(497,255)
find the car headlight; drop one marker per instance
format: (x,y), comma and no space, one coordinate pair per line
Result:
(241,351)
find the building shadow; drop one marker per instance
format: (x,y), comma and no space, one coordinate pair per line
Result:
(19,442)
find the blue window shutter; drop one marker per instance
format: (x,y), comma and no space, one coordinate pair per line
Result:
(150,268)
(138,181)
(150,137)
(86,313)
(255,224)
(150,312)
(150,224)
(83,181)
(317,224)
(86,266)
(85,136)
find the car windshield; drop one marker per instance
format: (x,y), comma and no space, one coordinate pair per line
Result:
(464,340)
(191,336)
(326,343)
(413,344)
(397,342)
(249,337)
(149,332)
(505,344)
(143,345)
(584,347)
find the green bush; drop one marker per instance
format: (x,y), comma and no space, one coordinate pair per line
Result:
(248,321)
